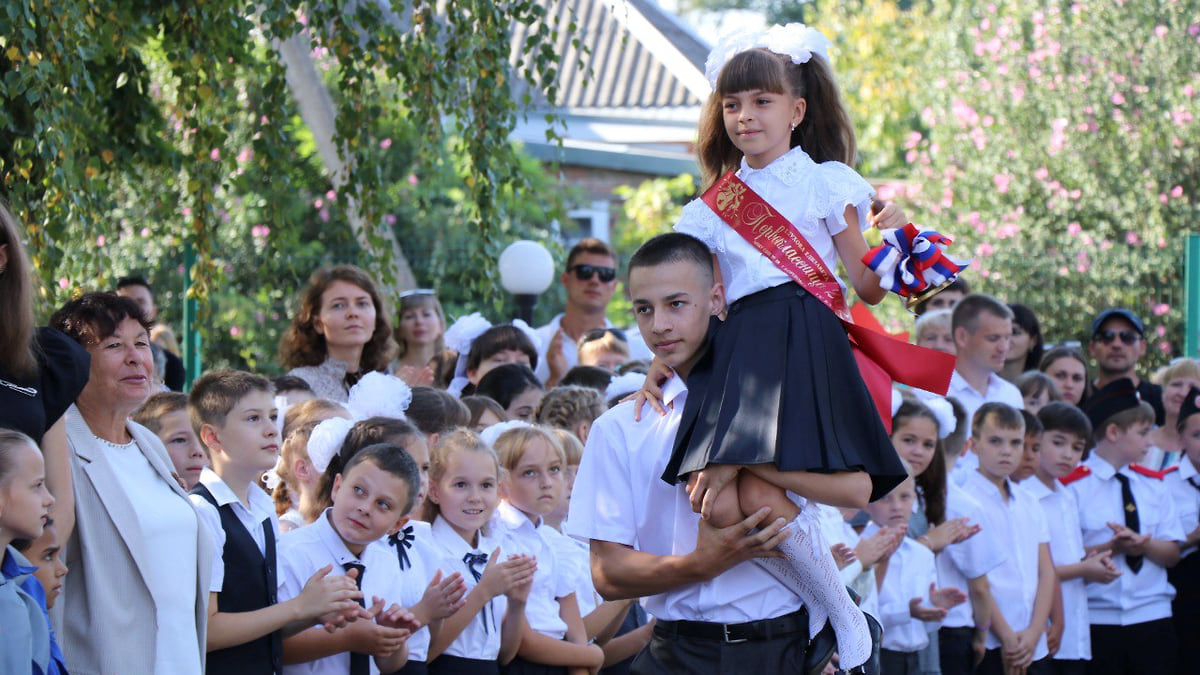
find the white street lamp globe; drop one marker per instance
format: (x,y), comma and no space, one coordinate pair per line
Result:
(526,268)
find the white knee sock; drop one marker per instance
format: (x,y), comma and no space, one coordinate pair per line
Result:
(808,569)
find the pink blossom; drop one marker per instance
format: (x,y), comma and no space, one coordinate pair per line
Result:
(1063,271)
(323,214)
(385,143)
(1002,180)
(64,283)
(390,219)
(260,231)
(1181,117)
(914,138)
(215,154)
(964,114)
(245,155)
(1188,90)
(1087,240)
(412,179)
(100,240)
(1041,173)
(1194,29)
(988,120)
(331,196)
(145,232)
(1161,308)
(235,331)
(1162,198)
(1165,347)
(187,212)
(1133,239)
(1075,194)
(1177,191)
(984,250)
(1161,31)
(318,203)
(1160,330)
(1073,229)
(910,156)
(1118,99)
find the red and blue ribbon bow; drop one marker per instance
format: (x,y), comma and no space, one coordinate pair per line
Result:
(911,260)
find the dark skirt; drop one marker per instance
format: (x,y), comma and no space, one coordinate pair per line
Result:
(520,666)
(413,668)
(779,384)
(457,665)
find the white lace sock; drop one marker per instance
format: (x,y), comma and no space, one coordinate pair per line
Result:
(808,569)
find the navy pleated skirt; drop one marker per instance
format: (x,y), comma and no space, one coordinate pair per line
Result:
(779,384)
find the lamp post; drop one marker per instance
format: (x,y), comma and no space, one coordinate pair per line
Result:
(526,271)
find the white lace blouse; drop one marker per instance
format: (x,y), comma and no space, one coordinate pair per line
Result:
(812,196)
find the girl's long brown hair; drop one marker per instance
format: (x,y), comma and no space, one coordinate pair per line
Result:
(932,481)
(825,133)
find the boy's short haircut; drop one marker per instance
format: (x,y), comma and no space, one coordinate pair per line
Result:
(135,280)
(605,339)
(998,415)
(635,366)
(593,246)
(1064,417)
(157,406)
(394,460)
(1142,413)
(566,407)
(216,393)
(593,377)
(291,383)
(1032,424)
(960,285)
(673,247)
(968,310)
(939,318)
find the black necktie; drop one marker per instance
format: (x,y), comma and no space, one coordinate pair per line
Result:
(360,664)
(1131,519)
(1194,482)
(402,541)
(475,564)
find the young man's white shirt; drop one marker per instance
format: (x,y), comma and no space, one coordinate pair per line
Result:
(910,571)
(620,497)
(633,337)
(999,390)
(1066,548)
(551,582)
(1131,598)
(304,551)
(261,508)
(968,559)
(1020,525)
(1184,484)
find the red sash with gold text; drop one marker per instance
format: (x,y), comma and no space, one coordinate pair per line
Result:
(881,358)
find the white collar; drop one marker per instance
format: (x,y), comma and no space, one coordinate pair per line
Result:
(1101,468)
(1186,469)
(223,494)
(333,541)
(673,388)
(1038,489)
(788,167)
(453,542)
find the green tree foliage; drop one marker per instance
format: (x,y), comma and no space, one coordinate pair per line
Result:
(129,129)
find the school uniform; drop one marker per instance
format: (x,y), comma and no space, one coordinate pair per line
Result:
(476,648)
(245,537)
(574,560)
(999,390)
(1019,525)
(419,560)
(910,571)
(24,637)
(956,564)
(1066,548)
(1184,485)
(1130,617)
(740,621)
(304,551)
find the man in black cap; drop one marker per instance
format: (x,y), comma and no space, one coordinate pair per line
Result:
(1124,508)
(1183,481)
(1118,341)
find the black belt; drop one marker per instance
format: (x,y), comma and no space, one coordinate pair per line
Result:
(787,625)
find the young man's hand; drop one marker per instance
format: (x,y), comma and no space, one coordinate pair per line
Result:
(719,549)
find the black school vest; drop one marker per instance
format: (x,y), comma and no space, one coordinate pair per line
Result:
(249,585)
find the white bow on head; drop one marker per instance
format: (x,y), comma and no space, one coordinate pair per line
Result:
(378,394)
(491,434)
(795,40)
(326,441)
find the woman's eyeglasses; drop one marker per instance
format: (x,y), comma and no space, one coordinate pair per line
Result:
(586,272)
(599,333)
(1128,337)
(418,291)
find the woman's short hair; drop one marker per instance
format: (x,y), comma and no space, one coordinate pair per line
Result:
(95,316)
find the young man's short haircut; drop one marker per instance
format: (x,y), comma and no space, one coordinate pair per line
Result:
(157,406)
(1064,417)
(134,280)
(587,376)
(216,393)
(673,247)
(969,309)
(1032,424)
(593,246)
(606,339)
(998,416)
(1142,413)
(291,383)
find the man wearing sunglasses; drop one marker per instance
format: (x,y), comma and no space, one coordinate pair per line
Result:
(590,280)
(1118,342)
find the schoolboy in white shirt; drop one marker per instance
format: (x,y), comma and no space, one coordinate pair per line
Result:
(371,497)
(1126,509)
(1023,585)
(716,611)
(1066,433)
(1184,483)
(910,604)
(233,414)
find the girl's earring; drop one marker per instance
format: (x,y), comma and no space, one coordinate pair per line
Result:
(793,126)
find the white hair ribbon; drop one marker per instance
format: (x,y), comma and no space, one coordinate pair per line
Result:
(795,40)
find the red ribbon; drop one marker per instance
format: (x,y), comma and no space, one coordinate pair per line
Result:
(881,358)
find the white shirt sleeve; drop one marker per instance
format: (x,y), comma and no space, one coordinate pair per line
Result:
(603,494)
(210,517)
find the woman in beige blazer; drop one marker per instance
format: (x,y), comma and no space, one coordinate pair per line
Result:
(140,559)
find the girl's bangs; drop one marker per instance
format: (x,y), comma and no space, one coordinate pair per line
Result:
(752,70)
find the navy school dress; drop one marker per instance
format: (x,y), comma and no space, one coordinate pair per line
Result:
(780,384)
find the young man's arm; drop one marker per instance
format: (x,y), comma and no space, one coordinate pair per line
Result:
(620,572)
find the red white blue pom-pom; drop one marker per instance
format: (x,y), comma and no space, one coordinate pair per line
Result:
(911,260)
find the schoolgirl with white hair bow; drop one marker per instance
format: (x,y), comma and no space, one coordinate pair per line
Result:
(482,346)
